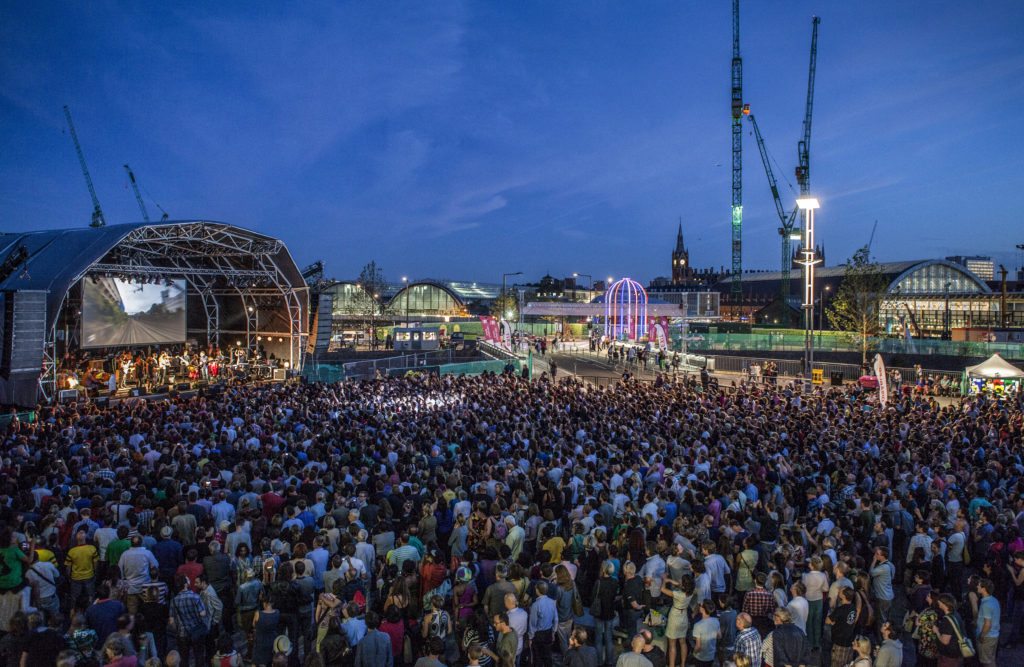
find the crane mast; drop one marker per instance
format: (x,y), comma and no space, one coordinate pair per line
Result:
(737,156)
(138,196)
(97,213)
(803,170)
(785,219)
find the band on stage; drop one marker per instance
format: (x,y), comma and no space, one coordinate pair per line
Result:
(151,369)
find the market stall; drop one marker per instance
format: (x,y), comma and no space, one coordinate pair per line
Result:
(995,375)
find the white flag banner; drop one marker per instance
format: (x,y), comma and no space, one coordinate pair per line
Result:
(662,336)
(883,381)
(506,333)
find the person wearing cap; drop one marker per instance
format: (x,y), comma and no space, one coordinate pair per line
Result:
(169,555)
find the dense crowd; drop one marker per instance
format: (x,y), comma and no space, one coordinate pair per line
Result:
(500,522)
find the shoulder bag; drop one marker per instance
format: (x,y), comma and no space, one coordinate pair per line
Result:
(966,647)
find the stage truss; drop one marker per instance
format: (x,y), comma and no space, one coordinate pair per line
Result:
(217,260)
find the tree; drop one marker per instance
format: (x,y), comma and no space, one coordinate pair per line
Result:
(506,306)
(365,300)
(856,305)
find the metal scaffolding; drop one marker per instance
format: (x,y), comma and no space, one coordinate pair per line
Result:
(222,264)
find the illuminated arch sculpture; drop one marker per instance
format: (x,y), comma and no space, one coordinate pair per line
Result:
(625,309)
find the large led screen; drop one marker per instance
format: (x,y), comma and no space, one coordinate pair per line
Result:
(119,312)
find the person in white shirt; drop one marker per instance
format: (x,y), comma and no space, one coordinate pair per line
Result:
(518,619)
(515,538)
(921,540)
(815,589)
(798,607)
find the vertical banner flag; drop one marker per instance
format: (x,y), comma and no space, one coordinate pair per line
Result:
(661,335)
(883,381)
(490,331)
(506,334)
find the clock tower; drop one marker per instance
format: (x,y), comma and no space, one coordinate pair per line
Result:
(681,271)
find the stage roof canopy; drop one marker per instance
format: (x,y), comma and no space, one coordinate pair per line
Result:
(213,256)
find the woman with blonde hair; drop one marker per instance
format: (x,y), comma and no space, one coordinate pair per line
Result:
(862,649)
(678,623)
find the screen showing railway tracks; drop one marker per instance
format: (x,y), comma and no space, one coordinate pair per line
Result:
(118,312)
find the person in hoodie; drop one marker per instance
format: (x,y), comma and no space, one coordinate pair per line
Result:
(890,653)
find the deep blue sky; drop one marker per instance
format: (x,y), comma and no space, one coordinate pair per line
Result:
(464,140)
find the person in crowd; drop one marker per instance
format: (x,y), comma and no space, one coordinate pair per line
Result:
(549,502)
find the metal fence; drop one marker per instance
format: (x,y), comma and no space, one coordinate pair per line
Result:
(360,369)
(831,342)
(850,372)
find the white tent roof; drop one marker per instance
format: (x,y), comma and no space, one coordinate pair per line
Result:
(995,367)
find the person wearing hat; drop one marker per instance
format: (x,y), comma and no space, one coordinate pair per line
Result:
(169,555)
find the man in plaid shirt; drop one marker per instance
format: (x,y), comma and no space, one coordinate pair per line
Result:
(759,603)
(748,640)
(188,618)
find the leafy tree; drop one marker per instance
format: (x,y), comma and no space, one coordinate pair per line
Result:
(856,305)
(504,305)
(365,300)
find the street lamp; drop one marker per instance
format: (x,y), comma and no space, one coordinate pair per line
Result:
(405,288)
(808,205)
(373,325)
(821,311)
(580,275)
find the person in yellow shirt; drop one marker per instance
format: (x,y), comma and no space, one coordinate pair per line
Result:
(81,561)
(554,545)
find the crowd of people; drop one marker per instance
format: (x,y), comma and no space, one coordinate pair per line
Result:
(491,520)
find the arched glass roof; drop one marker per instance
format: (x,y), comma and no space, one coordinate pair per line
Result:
(933,277)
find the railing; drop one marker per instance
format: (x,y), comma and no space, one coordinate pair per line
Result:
(830,342)
(790,368)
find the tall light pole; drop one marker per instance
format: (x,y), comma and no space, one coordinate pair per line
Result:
(808,205)
(580,275)
(945,319)
(821,311)
(405,288)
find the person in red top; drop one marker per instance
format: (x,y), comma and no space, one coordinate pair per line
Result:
(191,568)
(432,572)
(272,502)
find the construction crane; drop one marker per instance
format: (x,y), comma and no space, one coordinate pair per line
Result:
(138,196)
(314,273)
(803,147)
(872,238)
(785,219)
(737,157)
(97,213)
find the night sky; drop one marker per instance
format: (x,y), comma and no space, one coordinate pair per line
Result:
(466,140)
